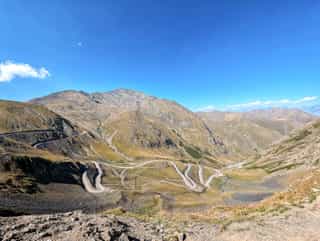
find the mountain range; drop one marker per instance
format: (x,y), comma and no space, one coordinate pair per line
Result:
(143,126)
(137,125)
(247,133)
(124,152)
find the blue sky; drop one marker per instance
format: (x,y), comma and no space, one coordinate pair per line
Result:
(199,53)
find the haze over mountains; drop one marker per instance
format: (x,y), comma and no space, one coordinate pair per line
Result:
(143,125)
(133,154)
(315,109)
(140,125)
(302,147)
(247,133)
(213,134)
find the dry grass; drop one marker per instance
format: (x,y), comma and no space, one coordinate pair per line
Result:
(302,191)
(246,174)
(16,182)
(105,152)
(23,116)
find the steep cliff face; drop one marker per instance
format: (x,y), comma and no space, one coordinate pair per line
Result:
(30,185)
(23,173)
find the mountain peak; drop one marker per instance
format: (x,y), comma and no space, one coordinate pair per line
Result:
(125,111)
(127,91)
(70,94)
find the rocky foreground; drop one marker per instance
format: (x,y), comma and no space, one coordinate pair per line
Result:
(297,224)
(78,226)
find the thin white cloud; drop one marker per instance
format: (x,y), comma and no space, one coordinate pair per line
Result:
(10,70)
(79,44)
(272,103)
(307,99)
(206,108)
(258,104)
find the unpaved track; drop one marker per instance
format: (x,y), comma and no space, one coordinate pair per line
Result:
(200,173)
(133,166)
(215,175)
(187,180)
(115,149)
(186,174)
(36,145)
(189,185)
(98,178)
(237,165)
(97,187)
(121,175)
(6,134)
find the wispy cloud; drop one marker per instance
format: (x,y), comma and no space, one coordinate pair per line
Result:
(10,70)
(207,108)
(259,104)
(307,99)
(79,44)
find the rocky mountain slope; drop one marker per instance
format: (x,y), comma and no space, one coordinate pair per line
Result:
(78,227)
(138,125)
(49,164)
(247,133)
(42,159)
(90,155)
(27,128)
(300,149)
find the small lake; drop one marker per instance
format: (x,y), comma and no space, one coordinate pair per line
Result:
(244,198)
(244,192)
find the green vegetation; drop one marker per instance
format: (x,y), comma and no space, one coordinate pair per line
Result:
(266,166)
(274,166)
(312,197)
(193,152)
(281,149)
(287,167)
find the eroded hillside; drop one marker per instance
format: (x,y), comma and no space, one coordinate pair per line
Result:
(136,155)
(248,133)
(300,149)
(140,125)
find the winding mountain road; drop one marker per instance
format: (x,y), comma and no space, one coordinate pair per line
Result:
(237,165)
(189,184)
(188,181)
(114,148)
(97,187)
(133,166)
(36,145)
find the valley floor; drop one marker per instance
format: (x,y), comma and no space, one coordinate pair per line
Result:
(296,224)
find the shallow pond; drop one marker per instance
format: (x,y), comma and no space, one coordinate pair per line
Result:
(243,198)
(244,192)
